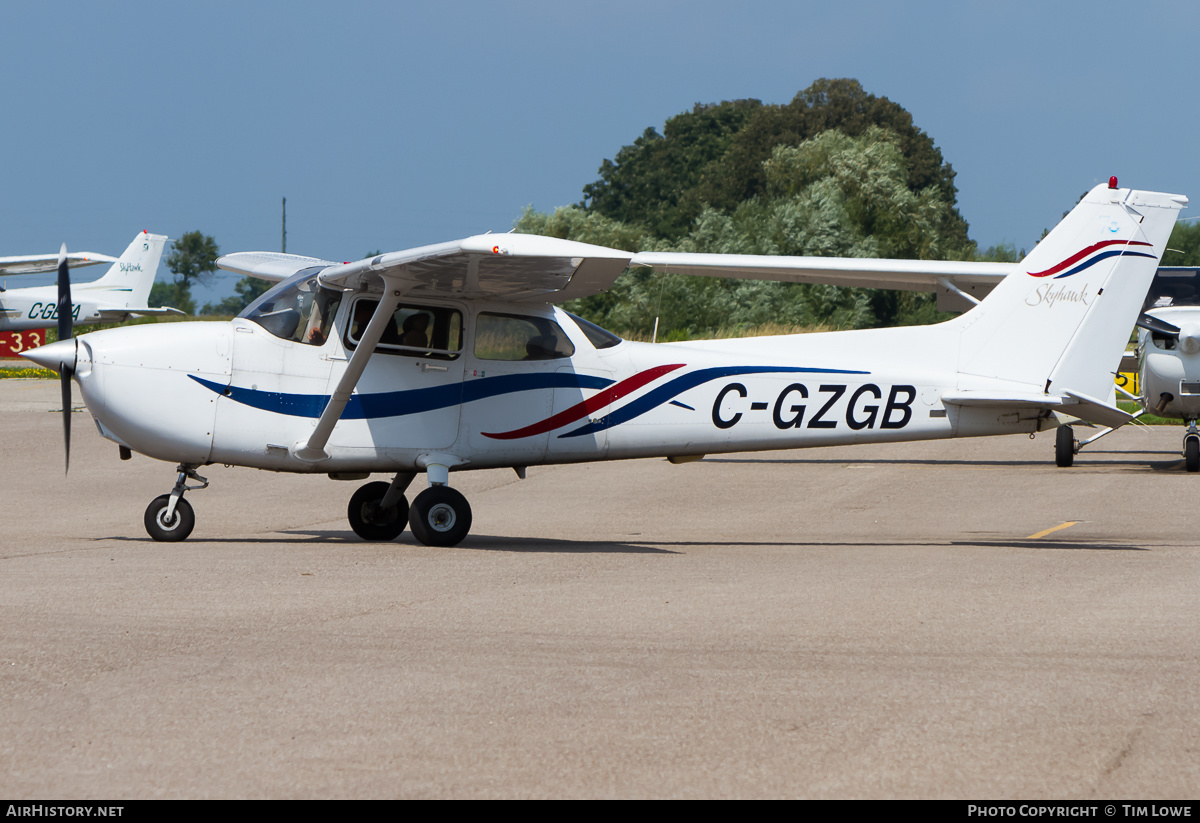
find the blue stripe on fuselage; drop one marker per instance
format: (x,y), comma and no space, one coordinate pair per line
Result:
(410,401)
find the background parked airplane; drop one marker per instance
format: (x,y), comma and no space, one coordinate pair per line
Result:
(120,294)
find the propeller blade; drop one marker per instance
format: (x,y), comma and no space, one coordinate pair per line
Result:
(1153,324)
(64,296)
(65,331)
(65,382)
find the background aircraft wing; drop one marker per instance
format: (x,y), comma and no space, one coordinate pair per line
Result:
(42,263)
(272,266)
(973,278)
(510,267)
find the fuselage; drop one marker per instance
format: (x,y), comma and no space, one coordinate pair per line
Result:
(495,385)
(36,307)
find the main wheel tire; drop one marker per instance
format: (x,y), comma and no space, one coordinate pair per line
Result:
(1064,447)
(369,521)
(440,516)
(1191,454)
(178,528)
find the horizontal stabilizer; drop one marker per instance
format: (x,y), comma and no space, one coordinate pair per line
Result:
(1072,403)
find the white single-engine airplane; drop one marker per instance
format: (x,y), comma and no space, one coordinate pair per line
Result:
(449,357)
(120,294)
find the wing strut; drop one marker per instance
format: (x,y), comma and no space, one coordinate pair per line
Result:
(313,450)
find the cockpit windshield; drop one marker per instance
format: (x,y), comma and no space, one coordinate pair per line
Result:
(298,309)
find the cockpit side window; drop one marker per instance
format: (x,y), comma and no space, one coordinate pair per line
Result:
(519,337)
(413,331)
(299,309)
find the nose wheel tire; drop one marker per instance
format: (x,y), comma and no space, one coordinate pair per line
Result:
(169,531)
(440,516)
(1191,454)
(369,520)
(1064,447)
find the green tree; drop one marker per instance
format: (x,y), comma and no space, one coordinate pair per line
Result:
(831,195)
(246,291)
(1183,249)
(715,155)
(193,259)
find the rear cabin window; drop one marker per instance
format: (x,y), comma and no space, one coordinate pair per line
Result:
(413,331)
(518,337)
(598,337)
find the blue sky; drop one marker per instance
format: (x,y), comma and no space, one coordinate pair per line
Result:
(389,125)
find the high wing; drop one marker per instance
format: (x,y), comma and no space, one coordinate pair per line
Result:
(272,266)
(42,263)
(509,267)
(958,284)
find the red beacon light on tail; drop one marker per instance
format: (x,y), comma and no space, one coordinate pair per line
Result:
(1112,182)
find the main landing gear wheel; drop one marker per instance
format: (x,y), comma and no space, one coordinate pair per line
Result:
(1064,447)
(169,531)
(1191,454)
(369,521)
(440,516)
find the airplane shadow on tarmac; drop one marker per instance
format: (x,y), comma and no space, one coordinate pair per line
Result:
(1084,461)
(531,545)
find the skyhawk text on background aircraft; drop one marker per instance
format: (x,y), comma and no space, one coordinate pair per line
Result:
(121,293)
(451,357)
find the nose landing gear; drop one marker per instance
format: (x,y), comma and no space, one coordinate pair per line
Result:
(1191,447)
(169,518)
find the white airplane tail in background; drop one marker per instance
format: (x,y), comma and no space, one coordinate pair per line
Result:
(1060,321)
(133,273)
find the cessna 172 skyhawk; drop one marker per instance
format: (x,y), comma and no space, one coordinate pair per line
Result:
(119,294)
(450,357)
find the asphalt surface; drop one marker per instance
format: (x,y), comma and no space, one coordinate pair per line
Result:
(944,620)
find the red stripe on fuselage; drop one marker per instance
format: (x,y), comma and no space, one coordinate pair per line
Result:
(593,403)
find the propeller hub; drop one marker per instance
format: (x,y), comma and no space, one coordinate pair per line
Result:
(1189,338)
(54,356)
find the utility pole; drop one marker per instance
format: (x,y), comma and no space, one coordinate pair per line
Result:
(283,241)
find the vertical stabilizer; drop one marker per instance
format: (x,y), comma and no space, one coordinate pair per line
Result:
(1061,319)
(128,281)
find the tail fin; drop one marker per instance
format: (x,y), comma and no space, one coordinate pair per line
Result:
(1061,319)
(133,273)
